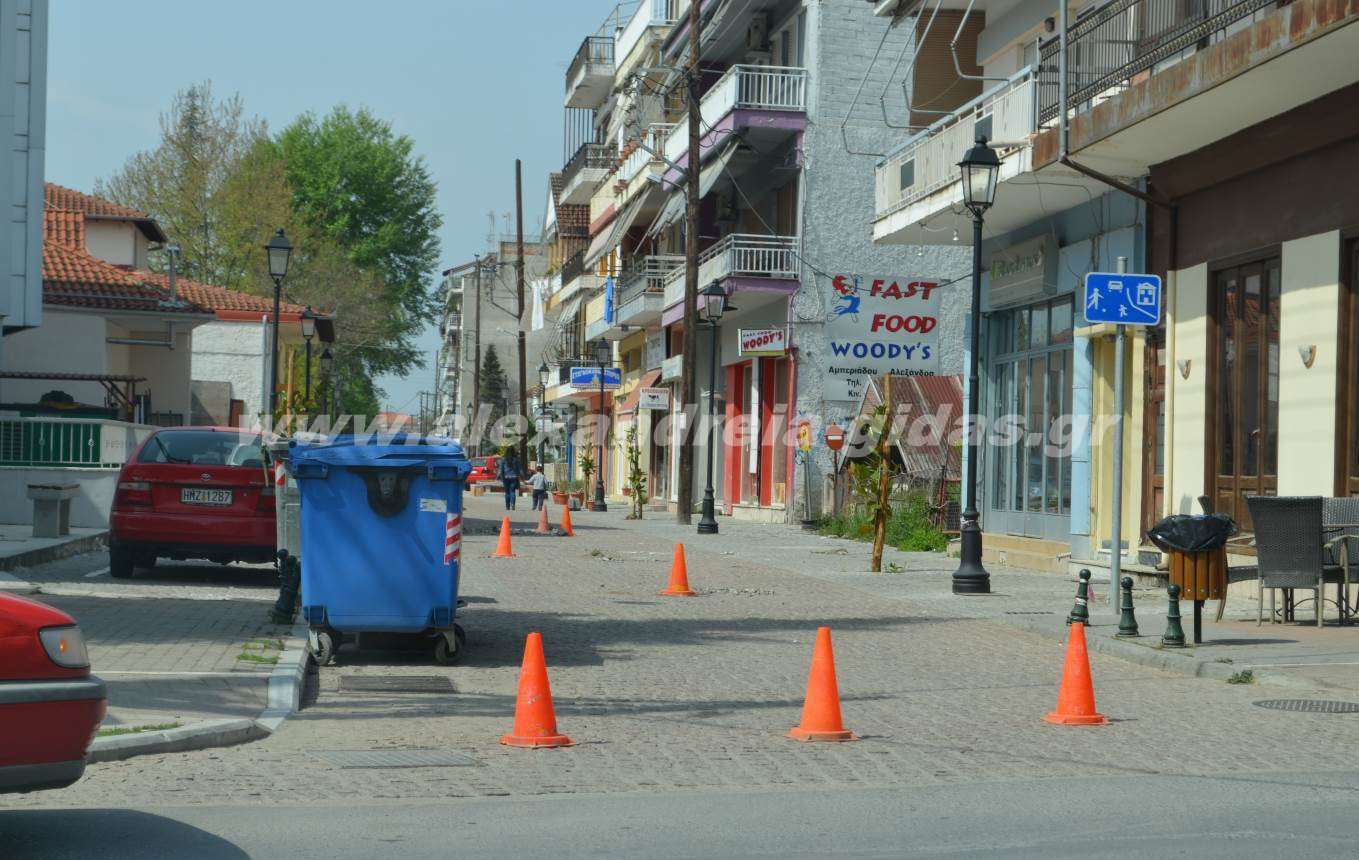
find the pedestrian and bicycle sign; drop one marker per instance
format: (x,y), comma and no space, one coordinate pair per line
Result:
(588,377)
(1123,298)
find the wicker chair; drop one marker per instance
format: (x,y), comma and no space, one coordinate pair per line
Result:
(1343,540)
(1288,543)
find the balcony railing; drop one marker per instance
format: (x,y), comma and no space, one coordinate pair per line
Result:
(590,156)
(573,267)
(740,255)
(1110,47)
(593,51)
(650,13)
(781,88)
(928,161)
(647,275)
(654,140)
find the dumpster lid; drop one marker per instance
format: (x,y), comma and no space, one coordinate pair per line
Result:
(399,450)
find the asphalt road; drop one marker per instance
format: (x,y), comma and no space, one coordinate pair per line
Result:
(1270,815)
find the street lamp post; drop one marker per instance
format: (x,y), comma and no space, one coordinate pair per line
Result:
(279,250)
(979,167)
(603,352)
(308,321)
(328,371)
(714,304)
(543,373)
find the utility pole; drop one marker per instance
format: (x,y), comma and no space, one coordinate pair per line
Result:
(519,319)
(684,507)
(476,365)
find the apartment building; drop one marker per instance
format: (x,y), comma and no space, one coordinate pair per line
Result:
(1212,144)
(786,146)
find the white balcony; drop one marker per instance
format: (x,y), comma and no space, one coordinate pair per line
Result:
(587,168)
(646,155)
(780,89)
(590,75)
(649,14)
(741,257)
(642,295)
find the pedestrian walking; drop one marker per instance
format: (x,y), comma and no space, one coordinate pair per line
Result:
(539,484)
(509,473)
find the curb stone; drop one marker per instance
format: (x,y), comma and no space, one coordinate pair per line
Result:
(1166,660)
(285,696)
(56,552)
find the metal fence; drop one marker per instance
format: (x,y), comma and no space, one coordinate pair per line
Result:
(590,155)
(1111,46)
(68,442)
(594,50)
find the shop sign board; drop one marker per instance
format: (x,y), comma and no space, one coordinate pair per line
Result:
(588,377)
(654,398)
(878,325)
(771,342)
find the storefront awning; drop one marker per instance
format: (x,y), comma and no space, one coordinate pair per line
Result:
(605,241)
(649,380)
(707,178)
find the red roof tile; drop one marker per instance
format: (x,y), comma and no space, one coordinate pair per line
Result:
(218,298)
(61,197)
(64,227)
(73,278)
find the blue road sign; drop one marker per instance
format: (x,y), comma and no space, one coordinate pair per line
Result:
(588,377)
(1127,298)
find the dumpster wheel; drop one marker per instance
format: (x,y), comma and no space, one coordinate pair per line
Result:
(322,645)
(449,645)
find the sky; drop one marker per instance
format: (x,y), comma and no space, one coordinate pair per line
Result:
(475,84)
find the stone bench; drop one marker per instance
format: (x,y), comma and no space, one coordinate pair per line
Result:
(52,508)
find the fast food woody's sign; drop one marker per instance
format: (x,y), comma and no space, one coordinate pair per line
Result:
(879,325)
(763,341)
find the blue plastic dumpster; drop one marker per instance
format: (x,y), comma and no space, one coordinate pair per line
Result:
(381,539)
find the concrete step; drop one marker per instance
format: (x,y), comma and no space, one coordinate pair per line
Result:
(1049,556)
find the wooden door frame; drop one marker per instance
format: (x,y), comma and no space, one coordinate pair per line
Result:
(1214,369)
(1346,398)
(1152,408)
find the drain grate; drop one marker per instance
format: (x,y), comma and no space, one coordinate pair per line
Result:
(1310,706)
(396,684)
(393,758)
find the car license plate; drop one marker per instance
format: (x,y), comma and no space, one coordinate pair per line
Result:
(200,496)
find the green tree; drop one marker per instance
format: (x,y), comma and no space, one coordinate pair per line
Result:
(495,388)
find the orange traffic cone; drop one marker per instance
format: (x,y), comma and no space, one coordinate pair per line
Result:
(504,549)
(679,576)
(542,521)
(821,719)
(566,521)
(535,723)
(1076,698)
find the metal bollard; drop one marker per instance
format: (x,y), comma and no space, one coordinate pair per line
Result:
(290,582)
(1127,621)
(1081,611)
(1174,635)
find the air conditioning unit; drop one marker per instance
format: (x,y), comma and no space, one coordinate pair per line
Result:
(757,36)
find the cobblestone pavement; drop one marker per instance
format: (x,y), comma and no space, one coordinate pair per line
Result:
(667,693)
(168,643)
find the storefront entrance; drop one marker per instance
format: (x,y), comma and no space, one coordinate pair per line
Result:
(1243,387)
(1029,388)
(1347,483)
(757,455)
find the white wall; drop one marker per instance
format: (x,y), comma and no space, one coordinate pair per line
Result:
(1308,316)
(113,241)
(166,370)
(90,509)
(67,342)
(232,352)
(1184,474)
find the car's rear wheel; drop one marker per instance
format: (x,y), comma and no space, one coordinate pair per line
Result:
(120,562)
(144,559)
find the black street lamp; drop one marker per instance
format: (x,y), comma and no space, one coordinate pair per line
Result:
(543,373)
(979,167)
(714,305)
(328,371)
(308,321)
(279,250)
(602,352)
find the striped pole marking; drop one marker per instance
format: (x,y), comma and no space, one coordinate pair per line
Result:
(452,537)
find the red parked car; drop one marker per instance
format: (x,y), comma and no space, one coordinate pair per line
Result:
(483,469)
(192,492)
(50,704)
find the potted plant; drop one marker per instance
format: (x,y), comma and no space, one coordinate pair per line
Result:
(587,468)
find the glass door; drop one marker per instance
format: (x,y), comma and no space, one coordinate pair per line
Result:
(1244,387)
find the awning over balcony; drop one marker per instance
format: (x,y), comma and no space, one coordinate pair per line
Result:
(649,380)
(607,239)
(707,178)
